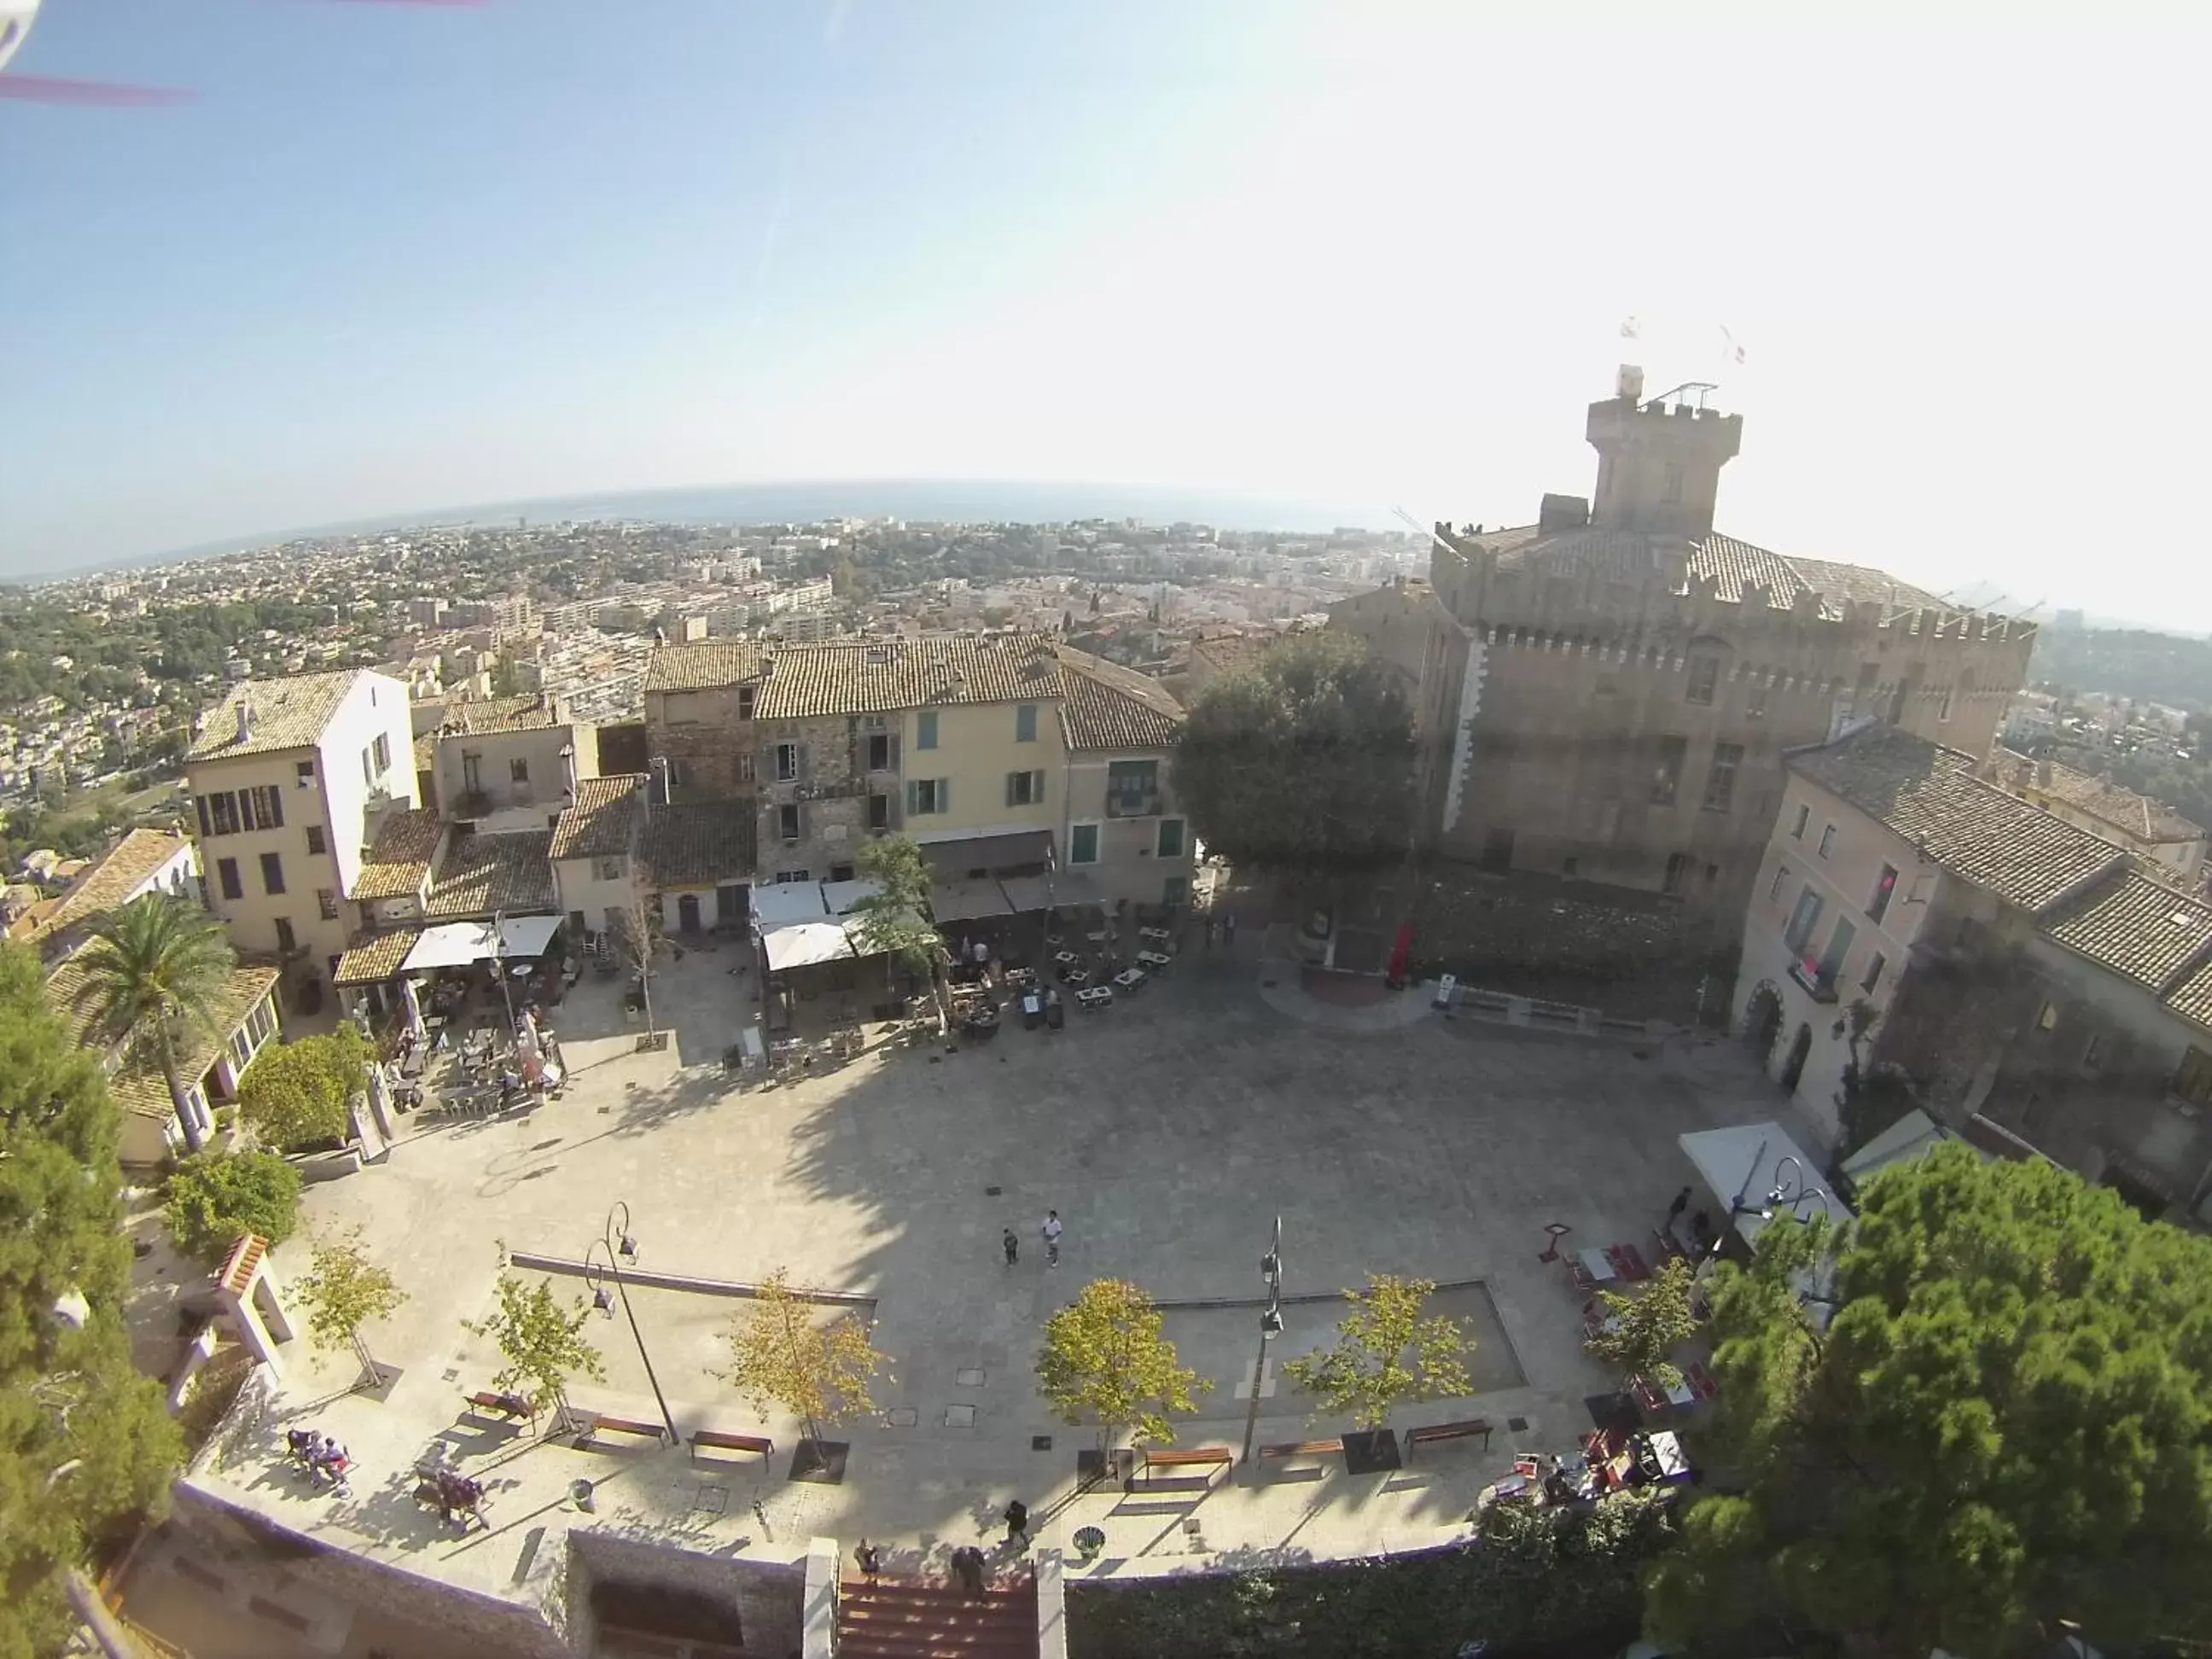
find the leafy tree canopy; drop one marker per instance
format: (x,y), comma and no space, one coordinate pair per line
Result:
(1388,1351)
(783,1353)
(2007,1422)
(87,1445)
(542,1341)
(1301,760)
(343,1291)
(1107,1356)
(296,1092)
(893,920)
(213,1198)
(1645,1327)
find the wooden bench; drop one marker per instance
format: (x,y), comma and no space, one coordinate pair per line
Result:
(1301,1448)
(1448,1432)
(1206,1457)
(716,1440)
(594,1424)
(505,1407)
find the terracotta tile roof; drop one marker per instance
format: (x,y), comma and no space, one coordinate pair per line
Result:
(2192,998)
(397,864)
(480,874)
(1930,795)
(2137,927)
(700,843)
(111,880)
(530,714)
(599,825)
(288,714)
(140,1088)
(377,959)
(865,676)
(1631,556)
(705,665)
(2137,816)
(1105,706)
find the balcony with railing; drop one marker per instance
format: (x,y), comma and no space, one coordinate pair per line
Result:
(1816,978)
(1133,803)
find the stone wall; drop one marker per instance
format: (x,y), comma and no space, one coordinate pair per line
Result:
(765,1600)
(831,793)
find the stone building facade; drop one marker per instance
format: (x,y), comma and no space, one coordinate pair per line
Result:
(1607,695)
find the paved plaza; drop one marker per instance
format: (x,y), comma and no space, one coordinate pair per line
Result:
(1168,1133)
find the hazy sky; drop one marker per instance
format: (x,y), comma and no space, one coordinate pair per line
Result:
(397,257)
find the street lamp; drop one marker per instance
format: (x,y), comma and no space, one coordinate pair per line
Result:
(499,965)
(620,1245)
(1271,1326)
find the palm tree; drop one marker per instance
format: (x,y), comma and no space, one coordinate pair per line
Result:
(154,967)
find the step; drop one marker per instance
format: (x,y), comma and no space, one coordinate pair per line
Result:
(859,1645)
(874,1619)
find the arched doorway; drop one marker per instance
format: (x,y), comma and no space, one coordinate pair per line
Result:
(1762,1019)
(1800,1046)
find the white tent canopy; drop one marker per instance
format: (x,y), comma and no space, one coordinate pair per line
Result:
(782,903)
(457,944)
(804,944)
(1907,1139)
(1741,1166)
(841,896)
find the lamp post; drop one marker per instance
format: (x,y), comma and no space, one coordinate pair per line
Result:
(499,965)
(1271,1325)
(620,1245)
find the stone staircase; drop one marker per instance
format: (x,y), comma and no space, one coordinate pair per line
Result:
(923,1618)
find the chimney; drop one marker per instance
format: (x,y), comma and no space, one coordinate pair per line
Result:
(245,717)
(2042,773)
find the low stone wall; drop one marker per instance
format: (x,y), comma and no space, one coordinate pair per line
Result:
(767,1599)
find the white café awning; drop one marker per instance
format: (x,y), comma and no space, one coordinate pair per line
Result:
(457,944)
(1741,1166)
(804,944)
(841,896)
(782,903)
(966,900)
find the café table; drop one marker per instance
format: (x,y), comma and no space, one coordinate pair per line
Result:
(1094,997)
(1129,978)
(1152,960)
(1599,1265)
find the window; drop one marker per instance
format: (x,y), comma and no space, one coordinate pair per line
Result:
(1804,818)
(2046,1018)
(926,797)
(1872,977)
(273,873)
(792,877)
(382,747)
(925,729)
(787,825)
(1666,770)
(1025,722)
(262,807)
(1679,865)
(367,767)
(1827,840)
(1133,788)
(607,869)
(304,771)
(786,762)
(1840,948)
(679,773)
(220,812)
(2193,1080)
(326,902)
(744,703)
(226,875)
(879,811)
(1885,888)
(1754,706)
(1672,494)
(883,752)
(1803,919)
(517,771)
(1704,674)
(1082,843)
(840,873)
(315,842)
(1781,880)
(1170,844)
(1720,782)
(1024,788)
(286,942)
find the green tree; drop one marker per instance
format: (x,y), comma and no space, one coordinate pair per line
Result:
(1107,1357)
(153,971)
(817,1369)
(1389,1351)
(296,1093)
(1870,1096)
(343,1291)
(542,1341)
(894,920)
(1302,760)
(88,1448)
(212,1199)
(1645,1327)
(2007,1421)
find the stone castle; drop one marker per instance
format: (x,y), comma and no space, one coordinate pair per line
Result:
(1605,694)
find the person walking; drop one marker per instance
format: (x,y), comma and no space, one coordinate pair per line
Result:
(1674,1210)
(1052,1231)
(967,1568)
(1017,1522)
(1012,1246)
(871,1560)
